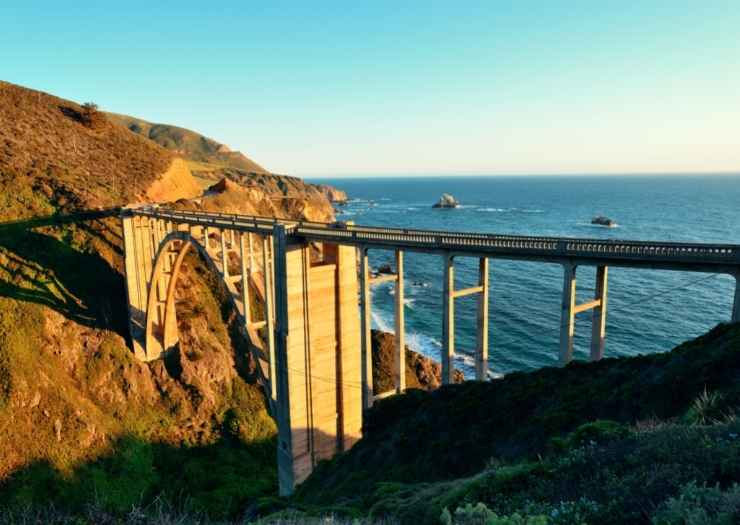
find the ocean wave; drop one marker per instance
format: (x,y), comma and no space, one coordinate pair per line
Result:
(511,210)
(589,225)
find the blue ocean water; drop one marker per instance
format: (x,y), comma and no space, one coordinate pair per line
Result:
(649,310)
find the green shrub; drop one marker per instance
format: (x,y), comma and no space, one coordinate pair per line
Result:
(479,514)
(592,433)
(701,505)
(707,409)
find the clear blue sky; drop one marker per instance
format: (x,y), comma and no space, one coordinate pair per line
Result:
(400,87)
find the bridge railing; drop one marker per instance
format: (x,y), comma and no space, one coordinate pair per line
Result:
(467,241)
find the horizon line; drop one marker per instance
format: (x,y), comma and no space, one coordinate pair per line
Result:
(365,175)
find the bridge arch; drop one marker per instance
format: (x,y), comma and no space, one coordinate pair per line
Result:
(160,334)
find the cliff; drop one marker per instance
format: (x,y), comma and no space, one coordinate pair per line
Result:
(421,372)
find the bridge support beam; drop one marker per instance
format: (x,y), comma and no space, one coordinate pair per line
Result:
(736,304)
(366,351)
(481,353)
(567,314)
(448,321)
(400,360)
(271,292)
(569,309)
(598,320)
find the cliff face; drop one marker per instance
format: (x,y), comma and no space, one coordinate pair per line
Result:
(421,372)
(335,196)
(290,197)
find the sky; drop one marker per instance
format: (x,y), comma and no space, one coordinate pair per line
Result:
(393,87)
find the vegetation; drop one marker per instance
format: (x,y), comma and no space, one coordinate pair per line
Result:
(206,154)
(618,432)
(58,156)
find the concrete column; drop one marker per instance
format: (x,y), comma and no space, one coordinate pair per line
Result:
(224,255)
(400,364)
(286,476)
(246,279)
(136,316)
(251,252)
(736,304)
(142,278)
(481,354)
(448,322)
(567,316)
(366,350)
(270,318)
(598,321)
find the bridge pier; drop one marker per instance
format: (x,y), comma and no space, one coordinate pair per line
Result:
(366,352)
(569,309)
(317,334)
(736,303)
(598,320)
(399,357)
(448,325)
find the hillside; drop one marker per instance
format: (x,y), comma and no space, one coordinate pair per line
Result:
(81,421)
(53,159)
(189,144)
(626,434)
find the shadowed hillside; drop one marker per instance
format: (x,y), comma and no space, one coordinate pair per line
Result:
(651,425)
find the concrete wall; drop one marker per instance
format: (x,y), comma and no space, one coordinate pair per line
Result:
(323,356)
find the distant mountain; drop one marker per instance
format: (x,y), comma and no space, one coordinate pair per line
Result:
(189,144)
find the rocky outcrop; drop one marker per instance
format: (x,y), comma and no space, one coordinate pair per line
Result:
(335,196)
(251,198)
(421,372)
(176,183)
(446,201)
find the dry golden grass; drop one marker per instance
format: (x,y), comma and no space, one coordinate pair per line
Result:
(52,158)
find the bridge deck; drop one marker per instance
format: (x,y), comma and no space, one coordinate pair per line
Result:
(702,257)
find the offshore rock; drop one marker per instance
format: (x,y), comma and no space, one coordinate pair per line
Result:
(446,201)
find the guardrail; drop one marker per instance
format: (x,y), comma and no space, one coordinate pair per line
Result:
(473,242)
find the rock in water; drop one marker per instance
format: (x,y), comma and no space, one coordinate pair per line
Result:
(603,221)
(446,201)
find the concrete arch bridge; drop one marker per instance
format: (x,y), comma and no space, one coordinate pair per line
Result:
(305,308)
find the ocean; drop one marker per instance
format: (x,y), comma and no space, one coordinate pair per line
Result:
(649,310)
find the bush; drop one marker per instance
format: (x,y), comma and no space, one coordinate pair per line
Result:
(706,409)
(592,433)
(703,505)
(578,512)
(481,515)
(89,113)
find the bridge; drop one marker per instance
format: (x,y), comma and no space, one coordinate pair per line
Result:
(302,293)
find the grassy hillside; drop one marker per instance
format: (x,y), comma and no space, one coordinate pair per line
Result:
(54,156)
(191,145)
(81,421)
